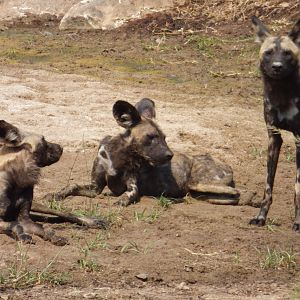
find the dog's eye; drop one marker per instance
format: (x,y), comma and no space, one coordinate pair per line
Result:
(151,138)
(269,52)
(287,53)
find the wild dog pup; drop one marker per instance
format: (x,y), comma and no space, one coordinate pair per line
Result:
(156,172)
(22,155)
(139,162)
(279,65)
(121,158)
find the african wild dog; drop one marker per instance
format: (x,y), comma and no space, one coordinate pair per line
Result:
(22,155)
(139,162)
(279,65)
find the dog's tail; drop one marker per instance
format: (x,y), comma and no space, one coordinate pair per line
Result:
(226,195)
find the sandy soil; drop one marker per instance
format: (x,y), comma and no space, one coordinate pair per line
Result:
(191,250)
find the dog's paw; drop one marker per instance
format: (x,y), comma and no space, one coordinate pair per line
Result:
(121,202)
(54,239)
(258,221)
(59,240)
(25,238)
(296,227)
(94,222)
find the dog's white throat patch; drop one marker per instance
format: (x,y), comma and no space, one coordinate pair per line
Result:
(288,114)
(106,161)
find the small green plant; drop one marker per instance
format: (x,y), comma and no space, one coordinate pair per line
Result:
(237,257)
(88,211)
(164,202)
(290,157)
(149,218)
(188,199)
(140,216)
(277,259)
(270,225)
(257,153)
(207,45)
(133,247)
(85,262)
(88,264)
(20,273)
(56,205)
(153,216)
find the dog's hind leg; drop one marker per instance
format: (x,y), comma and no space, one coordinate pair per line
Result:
(275,142)
(69,217)
(296,225)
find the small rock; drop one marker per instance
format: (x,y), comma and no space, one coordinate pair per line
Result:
(182,286)
(142,276)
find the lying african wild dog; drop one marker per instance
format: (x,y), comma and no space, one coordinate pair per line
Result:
(279,65)
(139,162)
(22,155)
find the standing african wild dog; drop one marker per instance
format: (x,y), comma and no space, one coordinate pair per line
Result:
(279,65)
(139,162)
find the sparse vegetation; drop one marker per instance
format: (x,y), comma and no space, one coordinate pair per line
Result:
(207,45)
(85,261)
(271,225)
(133,247)
(147,217)
(257,152)
(278,259)
(164,202)
(20,273)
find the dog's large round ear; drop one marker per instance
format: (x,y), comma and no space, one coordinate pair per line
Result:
(294,34)
(126,114)
(9,134)
(146,108)
(262,32)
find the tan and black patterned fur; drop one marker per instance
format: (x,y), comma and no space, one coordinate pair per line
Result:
(22,155)
(279,66)
(139,162)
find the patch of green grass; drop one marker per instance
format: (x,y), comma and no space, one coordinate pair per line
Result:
(207,45)
(91,210)
(149,218)
(133,247)
(271,225)
(278,259)
(56,205)
(85,261)
(290,157)
(257,152)
(164,202)
(21,274)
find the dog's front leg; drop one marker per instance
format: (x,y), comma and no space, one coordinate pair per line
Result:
(132,193)
(275,142)
(296,225)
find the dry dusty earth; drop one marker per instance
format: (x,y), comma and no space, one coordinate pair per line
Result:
(208,98)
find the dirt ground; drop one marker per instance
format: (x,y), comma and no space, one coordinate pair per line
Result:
(208,96)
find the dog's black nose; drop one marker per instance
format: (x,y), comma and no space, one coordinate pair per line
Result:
(169,155)
(277,66)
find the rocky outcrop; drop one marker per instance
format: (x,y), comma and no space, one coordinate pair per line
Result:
(17,9)
(85,14)
(109,14)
